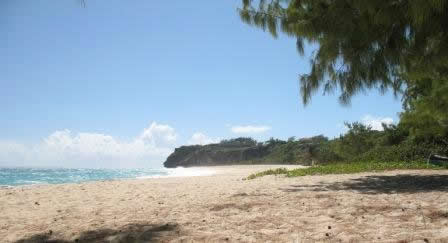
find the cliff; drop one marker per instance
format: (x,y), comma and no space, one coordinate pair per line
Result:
(213,154)
(248,151)
(233,151)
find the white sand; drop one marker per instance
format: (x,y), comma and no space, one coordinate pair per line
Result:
(377,207)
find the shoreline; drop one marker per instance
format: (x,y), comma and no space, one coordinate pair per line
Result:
(136,177)
(208,171)
(393,205)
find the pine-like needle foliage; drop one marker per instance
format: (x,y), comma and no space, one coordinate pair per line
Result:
(362,43)
(400,45)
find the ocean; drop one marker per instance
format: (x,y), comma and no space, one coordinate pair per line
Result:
(31,176)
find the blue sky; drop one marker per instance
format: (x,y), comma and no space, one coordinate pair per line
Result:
(115,69)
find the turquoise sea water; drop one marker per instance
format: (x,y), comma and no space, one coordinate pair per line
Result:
(27,176)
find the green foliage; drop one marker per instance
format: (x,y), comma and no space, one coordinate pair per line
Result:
(292,151)
(370,44)
(326,153)
(426,110)
(407,151)
(394,134)
(277,171)
(241,141)
(349,168)
(358,167)
(359,143)
(359,139)
(361,43)
(274,142)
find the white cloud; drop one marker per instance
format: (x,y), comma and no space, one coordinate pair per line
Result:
(202,139)
(375,122)
(250,129)
(67,149)
(159,134)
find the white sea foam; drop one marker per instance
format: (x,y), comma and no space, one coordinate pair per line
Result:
(182,172)
(30,182)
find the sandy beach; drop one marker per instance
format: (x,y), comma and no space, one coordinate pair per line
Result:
(398,206)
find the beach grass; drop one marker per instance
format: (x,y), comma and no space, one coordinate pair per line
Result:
(348,168)
(278,171)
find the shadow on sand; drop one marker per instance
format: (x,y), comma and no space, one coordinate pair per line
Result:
(377,184)
(127,233)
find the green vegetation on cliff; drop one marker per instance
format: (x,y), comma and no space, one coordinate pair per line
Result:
(359,143)
(238,150)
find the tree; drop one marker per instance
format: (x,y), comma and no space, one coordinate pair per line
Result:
(358,139)
(241,141)
(426,115)
(289,154)
(369,44)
